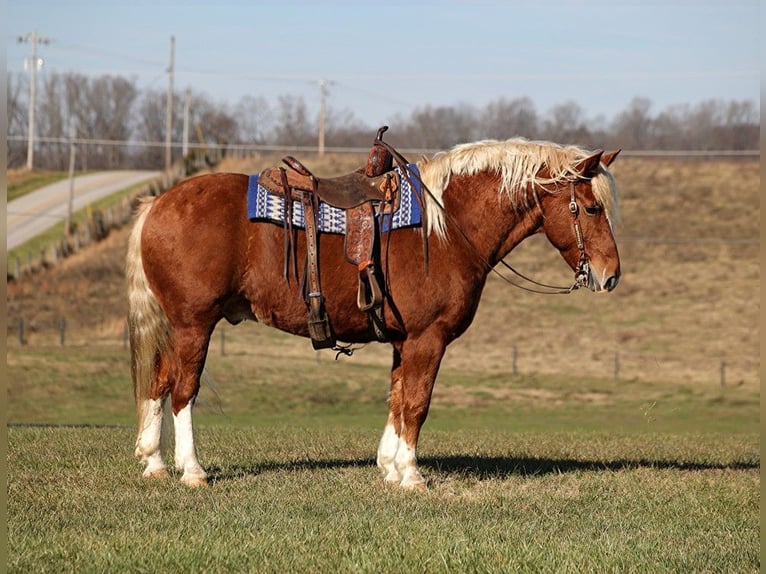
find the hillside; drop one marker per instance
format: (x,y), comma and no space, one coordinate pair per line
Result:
(689,298)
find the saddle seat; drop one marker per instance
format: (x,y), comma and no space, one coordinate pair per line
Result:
(344,192)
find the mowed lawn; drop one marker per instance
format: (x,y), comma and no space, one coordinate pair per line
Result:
(526,473)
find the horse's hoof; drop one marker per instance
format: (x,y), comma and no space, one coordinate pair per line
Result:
(392,478)
(413,481)
(194,481)
(157,473)
(415,486)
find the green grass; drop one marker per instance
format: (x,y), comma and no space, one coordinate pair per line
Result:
(293,499)
(526,473)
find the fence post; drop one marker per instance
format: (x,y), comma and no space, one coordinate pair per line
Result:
(21,331)
(723,374)
(514,355)
(62,331)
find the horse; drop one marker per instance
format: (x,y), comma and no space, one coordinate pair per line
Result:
(194,258)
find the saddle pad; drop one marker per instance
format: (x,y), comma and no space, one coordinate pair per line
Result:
(262,205)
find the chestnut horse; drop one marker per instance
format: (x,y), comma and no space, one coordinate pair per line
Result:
(194,258)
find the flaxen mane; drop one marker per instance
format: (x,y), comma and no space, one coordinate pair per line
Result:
(519,162)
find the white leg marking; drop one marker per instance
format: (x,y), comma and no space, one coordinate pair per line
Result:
(148,442)
(407,466)
(389,443)
(186,453)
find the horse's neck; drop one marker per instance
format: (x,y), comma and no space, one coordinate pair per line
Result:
(486,216)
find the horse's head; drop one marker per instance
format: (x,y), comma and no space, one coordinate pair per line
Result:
(578,215)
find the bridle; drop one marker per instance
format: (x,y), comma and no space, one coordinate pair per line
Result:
(582,271)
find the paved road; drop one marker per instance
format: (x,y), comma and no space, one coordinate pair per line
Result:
(35,212)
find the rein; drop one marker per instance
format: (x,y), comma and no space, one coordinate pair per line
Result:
(581,273)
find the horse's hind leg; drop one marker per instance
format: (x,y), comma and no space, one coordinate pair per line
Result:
(189,352)
(150,442)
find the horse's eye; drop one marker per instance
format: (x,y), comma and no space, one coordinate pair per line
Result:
(592,210)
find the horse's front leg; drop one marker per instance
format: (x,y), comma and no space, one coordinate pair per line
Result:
(389,442)
(416,363)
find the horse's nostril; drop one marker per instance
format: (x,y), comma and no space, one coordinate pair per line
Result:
(610,283)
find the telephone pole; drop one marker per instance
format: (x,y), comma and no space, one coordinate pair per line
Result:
(34,63)
(169,113)
(322,112)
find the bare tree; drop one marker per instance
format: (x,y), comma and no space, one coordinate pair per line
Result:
(17,119)
(214,124)
(741,126)
(566,123)
(345,130)
(149,127)
(503,119)
(293,126)
(112,100)
(108,109)
(442,127)
(633,127)
(255,119)
(53,121)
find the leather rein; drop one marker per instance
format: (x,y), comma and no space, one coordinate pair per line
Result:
(581,272)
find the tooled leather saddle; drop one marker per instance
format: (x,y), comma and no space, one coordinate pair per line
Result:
(366,195)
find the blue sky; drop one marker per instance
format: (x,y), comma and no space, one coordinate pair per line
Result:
(384,59)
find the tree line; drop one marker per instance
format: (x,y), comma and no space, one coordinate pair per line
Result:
(112,108)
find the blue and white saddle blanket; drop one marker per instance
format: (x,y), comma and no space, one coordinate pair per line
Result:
(262,205)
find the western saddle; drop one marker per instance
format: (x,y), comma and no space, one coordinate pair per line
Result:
(365,194)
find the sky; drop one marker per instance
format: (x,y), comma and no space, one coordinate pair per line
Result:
(384,59)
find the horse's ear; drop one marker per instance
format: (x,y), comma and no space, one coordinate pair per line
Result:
(608,158)
(588,167)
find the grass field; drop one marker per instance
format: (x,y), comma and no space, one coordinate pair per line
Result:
(559,475)
(557,466)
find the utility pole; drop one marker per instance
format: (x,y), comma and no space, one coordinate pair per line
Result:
(187,112)
(34,63)
(169,113)
(70,205)
(322,114)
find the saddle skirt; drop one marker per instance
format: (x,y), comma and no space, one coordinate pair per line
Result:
(263,205)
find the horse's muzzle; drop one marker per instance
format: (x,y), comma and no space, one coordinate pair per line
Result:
(603,284)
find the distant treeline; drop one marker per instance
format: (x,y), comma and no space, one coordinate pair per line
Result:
(107,109)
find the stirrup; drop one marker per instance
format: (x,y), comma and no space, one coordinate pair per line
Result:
(319,325)
(370,295)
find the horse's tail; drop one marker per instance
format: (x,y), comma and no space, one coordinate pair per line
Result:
(147,322)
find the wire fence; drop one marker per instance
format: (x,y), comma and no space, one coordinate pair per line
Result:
(245,343)
(246,149)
